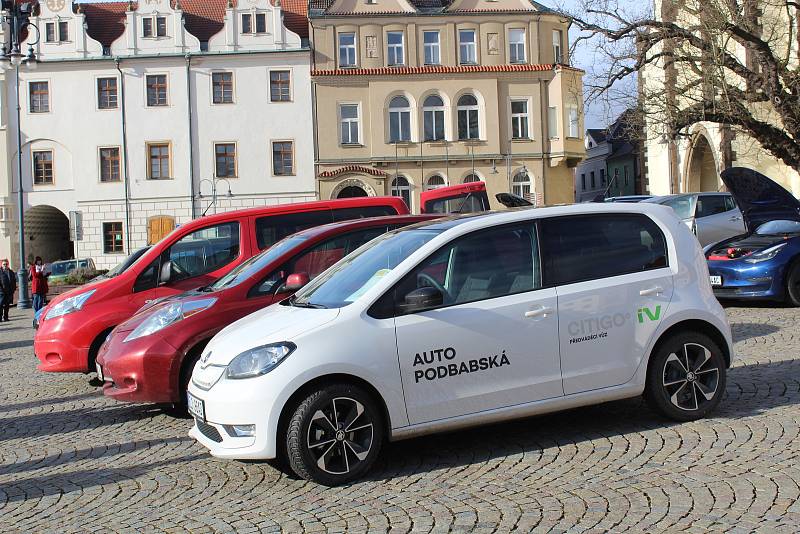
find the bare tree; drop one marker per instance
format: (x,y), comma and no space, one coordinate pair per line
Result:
(731,62)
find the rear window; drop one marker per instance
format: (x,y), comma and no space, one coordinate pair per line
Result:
(588,247)
(467,203)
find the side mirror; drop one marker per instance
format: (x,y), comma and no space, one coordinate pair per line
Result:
(296,281)
(422,298)
(166,273)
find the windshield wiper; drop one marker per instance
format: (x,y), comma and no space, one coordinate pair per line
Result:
(293,302)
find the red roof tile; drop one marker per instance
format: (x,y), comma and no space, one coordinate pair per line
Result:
(203,18)
(442,69)
(352,168)
(295,16)
(105,21)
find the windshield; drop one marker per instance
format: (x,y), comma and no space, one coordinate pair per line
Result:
(358,272)
(127,262)
(779,228)
(683,206)
(257,263)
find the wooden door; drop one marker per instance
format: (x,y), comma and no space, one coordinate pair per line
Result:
(158,227)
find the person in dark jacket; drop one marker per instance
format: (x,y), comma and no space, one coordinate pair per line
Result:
(8,284)
(38,277)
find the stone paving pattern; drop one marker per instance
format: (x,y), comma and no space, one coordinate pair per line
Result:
(74,461)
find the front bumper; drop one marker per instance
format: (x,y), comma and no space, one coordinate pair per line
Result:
(56,351)
(143,370)
(742,280)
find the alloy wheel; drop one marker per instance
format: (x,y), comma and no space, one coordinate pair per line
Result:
(340,435)
(690,377)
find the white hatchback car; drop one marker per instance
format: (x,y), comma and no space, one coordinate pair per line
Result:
(465,321)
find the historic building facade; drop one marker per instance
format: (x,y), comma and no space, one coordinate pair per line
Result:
(419,94)
(136,112)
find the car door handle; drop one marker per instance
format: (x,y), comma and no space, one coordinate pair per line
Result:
(657,290)
(735,218)
(542,311)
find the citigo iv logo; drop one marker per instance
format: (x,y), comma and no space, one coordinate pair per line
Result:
(645,314)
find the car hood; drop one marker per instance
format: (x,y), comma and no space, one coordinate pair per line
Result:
(739,247)
(271,325)
(760,199)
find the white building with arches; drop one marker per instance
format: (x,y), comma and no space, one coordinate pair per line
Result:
(136,111)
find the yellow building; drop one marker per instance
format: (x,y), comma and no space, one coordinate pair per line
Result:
(414,95)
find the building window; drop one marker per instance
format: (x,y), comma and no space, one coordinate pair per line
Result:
(279,86)
(435,182)
(63,31)
(433,118)
(471,178)
(557,47)
(157,90)
(583,181)
(467,47)
(432,47)
(347,49)
(222,87)
(574,125)
(519,119)
(260,25)
(399,120)
(50,35)
(401,188)
(468,124)
(158,161)
(348,118)
(107,93)
(43,167)
(109,164)
(625,172)
(516,46)
(39,97)
(154,27)
(602,177)
(225,160)
(521,185)
(394,53)
(112,238)
(50,32)
(552,122)
(591,179)
(282,158)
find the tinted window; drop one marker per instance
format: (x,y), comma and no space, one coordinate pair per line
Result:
(273,228)
(730,204)
(588,247)
(711,205)
(483,265)
(148,279)
(469,203)
(346,214)
(204,251)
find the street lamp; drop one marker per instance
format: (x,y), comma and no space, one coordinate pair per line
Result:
(17,16)
(213,181)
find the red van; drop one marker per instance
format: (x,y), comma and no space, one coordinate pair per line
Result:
(462,198)
(75,324)
(150,357)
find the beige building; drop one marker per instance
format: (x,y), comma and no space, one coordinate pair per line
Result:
(419,94)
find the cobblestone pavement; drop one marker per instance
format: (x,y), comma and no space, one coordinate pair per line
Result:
(74,461)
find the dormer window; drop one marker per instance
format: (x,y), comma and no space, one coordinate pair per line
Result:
(254,23)
(56,32)
(153,27)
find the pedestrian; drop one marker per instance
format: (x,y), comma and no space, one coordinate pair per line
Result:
(38,278)
(8,284)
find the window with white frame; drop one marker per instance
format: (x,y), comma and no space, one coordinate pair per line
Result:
(399,120)
(402,188)
(435,182)
(225,160)
(467,47)
(109,164)
(63,31)
(521,185)
(43,167)
(56,32)
(574,121)
(156,90)
(254,23)
(39,97)
(557,47)
(347,50)
(395,55)
(432,47)
(155,26)
(282,158)
(468,119)
(106,93)
(349,126)
(222,87)
(280,86)
(516,46)
(552,122)
(519,119)
(471,178)
(433,118)
(50,32)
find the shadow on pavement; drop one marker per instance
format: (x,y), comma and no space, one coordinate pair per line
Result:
(49,401)
(743,331)
(16,344)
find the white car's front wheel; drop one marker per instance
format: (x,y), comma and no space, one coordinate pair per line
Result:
(334,435)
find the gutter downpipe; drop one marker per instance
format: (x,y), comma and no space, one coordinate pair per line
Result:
(125,156)
(188,58)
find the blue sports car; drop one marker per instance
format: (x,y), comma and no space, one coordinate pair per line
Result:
(764,263)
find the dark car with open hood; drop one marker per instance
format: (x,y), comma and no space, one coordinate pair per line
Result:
(763,263)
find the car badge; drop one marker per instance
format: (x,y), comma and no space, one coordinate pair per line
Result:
(204,359)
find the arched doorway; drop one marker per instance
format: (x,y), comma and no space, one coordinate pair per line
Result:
(702,174)
(47,235)
(352,191)
(351,188)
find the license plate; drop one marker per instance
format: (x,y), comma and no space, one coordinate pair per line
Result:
(196,407)
(99,371)
(716,280)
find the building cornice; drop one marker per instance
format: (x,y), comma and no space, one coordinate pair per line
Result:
(442,69)
(174,55)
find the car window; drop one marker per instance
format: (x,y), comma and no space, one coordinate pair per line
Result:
(463,203)
(482,265)
(317,259)
(346,214)
(683,206)
(710,205)
(273,228)
(588,247)
(204,251)
(148,278)
(730,203)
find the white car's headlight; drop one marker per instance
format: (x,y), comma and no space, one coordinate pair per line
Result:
(259,360)
(766,254)
(69,305)
(170,314)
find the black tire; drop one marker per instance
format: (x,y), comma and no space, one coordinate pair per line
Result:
(316,436)
(793,284)
(686,377)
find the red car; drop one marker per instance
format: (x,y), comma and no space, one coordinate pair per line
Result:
(150,357)
(462,198)
(75,324)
